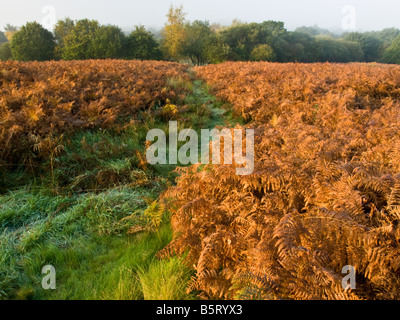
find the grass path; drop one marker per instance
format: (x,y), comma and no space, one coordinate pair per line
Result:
(80,232)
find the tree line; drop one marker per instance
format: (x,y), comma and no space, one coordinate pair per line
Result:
(198,42)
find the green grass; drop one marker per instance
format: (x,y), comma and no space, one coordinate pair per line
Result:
(75,217)
(106,268)
(84,237)
(171,280)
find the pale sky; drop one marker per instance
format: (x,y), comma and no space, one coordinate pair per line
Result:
(366,14)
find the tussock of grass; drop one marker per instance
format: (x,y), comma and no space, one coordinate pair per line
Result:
(165,280)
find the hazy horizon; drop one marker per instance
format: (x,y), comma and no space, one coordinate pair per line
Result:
(367,15)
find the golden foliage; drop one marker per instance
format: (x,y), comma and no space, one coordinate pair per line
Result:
(45,99)
(325,191)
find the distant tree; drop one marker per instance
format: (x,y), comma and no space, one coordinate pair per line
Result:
(5,52)
(315,31)
(9,27)
(352,51)
(3,38)
(107,43)
(301,47)
(9,31)
(339,50)
(202,45)
(236,22)
(87,39)
(387,35)
(142,45)
(392,54)
(243,38)
(370,45)
(61,30)
(263,52)
(32,42)
(237,38)
(9,35)
(216,27)
(276,28)
(216,50)
(174,33)
(277,38)
(78,42)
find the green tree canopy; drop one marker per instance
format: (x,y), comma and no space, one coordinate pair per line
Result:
(392,54)
(387,36)
(87,39)
(202,45)
(300,47)
(216,51)
(32,42)
(236,38)
(339,50)
(315,31)
(108,42)
(142,45)
(78,42)
(263,52)
(61,30)
(242,38)
(5,52)
(370,45)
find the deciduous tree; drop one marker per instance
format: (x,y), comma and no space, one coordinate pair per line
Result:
(5,52)
(78,42)
(107,43)
(174,33)
(61,31)
(392,54)
(202,45)
(142,45)
(32,42)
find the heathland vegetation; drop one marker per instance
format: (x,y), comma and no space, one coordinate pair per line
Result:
(77,193)
(76,190)
(324,193)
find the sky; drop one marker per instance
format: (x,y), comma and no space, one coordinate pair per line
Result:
(339,15)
